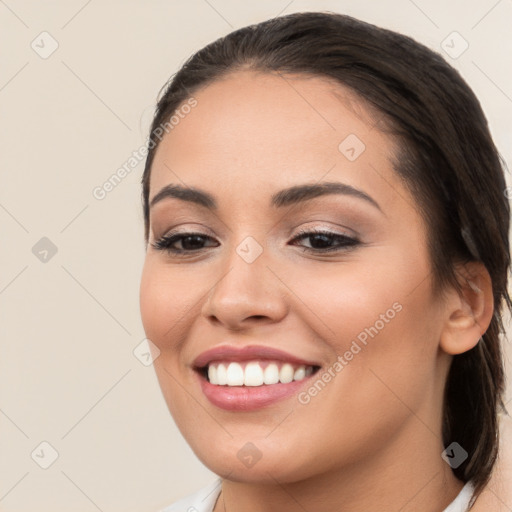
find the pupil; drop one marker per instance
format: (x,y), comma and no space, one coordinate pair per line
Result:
(195,238)
(324,240)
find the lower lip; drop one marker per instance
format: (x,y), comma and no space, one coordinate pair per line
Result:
(249,398)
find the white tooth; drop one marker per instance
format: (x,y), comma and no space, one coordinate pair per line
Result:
(271,374)
(286,373)
(212,374)
(253,375)
(222,376)
(235,375)
(300,373)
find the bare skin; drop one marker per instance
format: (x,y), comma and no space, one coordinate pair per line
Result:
(371,439)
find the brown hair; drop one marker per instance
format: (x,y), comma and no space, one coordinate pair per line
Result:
(447,159)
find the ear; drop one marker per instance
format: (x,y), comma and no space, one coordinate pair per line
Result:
(468,313)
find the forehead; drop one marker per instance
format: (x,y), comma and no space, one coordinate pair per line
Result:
(259,131)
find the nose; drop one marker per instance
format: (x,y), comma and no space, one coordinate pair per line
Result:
(246,294)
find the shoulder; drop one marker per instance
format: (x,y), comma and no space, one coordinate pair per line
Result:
(202,500)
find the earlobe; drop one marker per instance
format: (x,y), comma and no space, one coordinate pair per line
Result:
(468,313)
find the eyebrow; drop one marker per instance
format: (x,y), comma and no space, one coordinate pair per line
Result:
(285,197)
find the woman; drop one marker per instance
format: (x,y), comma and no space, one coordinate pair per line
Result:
(327,258)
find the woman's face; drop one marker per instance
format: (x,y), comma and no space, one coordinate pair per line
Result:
(363,313)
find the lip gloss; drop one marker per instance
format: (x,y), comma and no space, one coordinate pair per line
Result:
(249,398)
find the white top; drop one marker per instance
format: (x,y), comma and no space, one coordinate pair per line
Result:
(204,500)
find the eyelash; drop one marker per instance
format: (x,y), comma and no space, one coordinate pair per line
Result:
(165,243)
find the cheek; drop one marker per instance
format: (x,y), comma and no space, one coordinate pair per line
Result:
(343,298)
(153,302)
(163,308)
(170,301)
(381,320)
(167,302)
(379,317)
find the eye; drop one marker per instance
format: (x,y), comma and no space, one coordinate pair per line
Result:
(190,242)
(326,241)
(322,241)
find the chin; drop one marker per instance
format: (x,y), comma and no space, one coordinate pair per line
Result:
(250,464)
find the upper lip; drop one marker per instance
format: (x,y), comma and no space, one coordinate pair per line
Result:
(247,353)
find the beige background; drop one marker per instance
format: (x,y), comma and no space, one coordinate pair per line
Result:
(68,327)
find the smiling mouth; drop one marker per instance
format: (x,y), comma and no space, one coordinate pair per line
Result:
(254,373)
